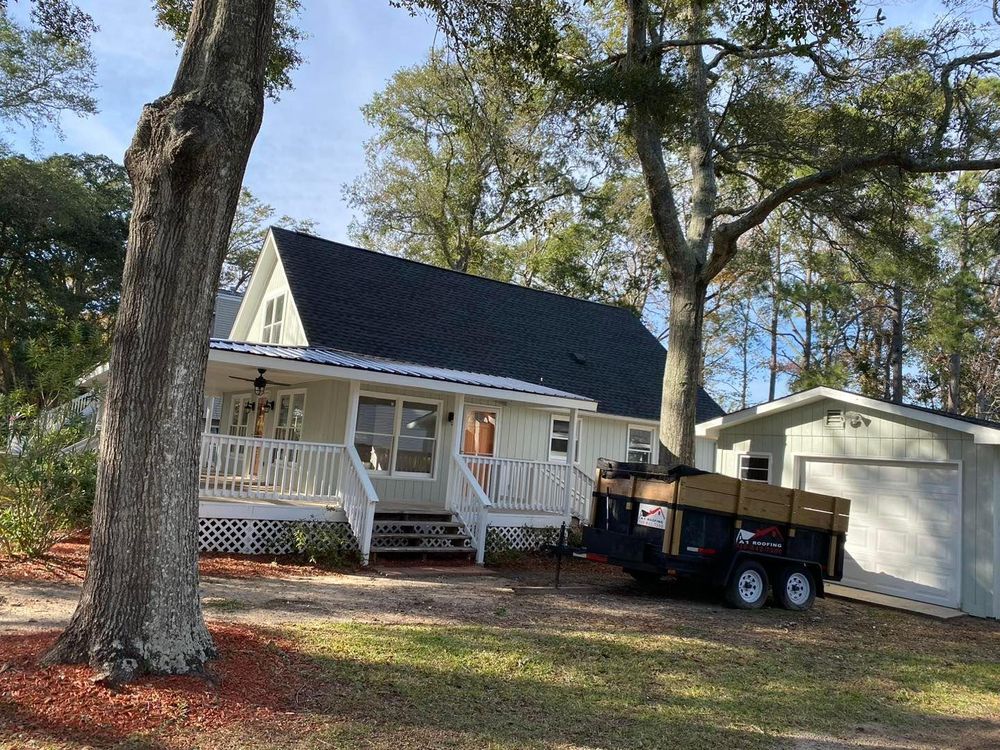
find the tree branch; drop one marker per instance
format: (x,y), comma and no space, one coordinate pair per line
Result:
(725,235)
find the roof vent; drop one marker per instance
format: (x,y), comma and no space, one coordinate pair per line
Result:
(835,419)
(578,358)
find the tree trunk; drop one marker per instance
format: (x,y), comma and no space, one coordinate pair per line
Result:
(678,407)
(953,392)
(139,611)
(772,384)
(896,343)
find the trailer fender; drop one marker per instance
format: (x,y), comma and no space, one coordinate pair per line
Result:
(772,565)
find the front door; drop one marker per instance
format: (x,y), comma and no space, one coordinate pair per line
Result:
(479,438)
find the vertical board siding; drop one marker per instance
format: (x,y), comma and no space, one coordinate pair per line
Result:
(803,430)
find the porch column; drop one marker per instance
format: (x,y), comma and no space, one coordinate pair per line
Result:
(457,425)
(570,460)
(350,423)
(351,420)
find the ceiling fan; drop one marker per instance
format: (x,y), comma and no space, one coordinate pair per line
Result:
(260,383)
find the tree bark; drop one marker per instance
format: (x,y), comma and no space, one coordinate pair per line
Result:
(140,611)
(682,374)
(953,392)
(896,345)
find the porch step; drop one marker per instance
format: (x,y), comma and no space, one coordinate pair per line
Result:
(434,533)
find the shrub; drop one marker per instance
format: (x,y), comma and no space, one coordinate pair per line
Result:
(46,490)
(324,544)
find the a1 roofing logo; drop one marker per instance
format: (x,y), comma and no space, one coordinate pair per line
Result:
(768,539)
(654,516)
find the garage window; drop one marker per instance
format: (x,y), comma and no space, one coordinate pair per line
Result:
(755,467)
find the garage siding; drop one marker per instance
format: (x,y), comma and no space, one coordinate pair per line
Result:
(803,430)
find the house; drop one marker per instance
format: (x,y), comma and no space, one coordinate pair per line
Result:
(412,408)
(924,487)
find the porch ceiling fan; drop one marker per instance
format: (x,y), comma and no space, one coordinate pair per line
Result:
(260,383)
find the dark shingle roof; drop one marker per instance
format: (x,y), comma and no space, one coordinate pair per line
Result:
(366,302)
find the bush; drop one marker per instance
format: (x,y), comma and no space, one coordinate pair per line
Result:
(46,491)
(324,544)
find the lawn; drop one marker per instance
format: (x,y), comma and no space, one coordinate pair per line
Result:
(618,668)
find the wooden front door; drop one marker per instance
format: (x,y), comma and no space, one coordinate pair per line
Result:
(479,439)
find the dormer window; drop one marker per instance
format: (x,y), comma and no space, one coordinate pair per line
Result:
(274,315)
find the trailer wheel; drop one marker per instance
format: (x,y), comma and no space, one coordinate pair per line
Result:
(644,578)
(796,589)
(747,586)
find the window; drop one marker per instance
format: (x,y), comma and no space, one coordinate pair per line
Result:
(291,409)
(240,417)
(274,315)
(559,439)
(396,436)
(640,444)
(755,467)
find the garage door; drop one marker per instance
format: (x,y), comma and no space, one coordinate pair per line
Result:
(904,527)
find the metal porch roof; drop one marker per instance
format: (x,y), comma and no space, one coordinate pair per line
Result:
(337,358)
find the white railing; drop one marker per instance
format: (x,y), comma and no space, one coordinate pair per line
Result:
(515,484)
(582,492)
(86,406)
(248,467)
(359,500)
(468,501)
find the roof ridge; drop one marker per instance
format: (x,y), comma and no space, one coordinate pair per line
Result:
(454,271)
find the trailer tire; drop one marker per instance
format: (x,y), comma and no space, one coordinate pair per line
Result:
(796,588)
(747,586)
(644,578)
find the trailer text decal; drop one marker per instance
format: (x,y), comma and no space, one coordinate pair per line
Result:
(768,539)
(653,516)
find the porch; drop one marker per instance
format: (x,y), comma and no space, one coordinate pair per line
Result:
(390,454)
(290,480)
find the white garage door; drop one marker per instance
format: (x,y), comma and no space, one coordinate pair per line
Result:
(903,534)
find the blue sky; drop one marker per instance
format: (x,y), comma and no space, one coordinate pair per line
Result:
(311,140)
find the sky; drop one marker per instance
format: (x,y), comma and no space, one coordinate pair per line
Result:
(311,140)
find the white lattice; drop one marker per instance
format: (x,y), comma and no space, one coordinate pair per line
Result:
(265,537)
(522,538)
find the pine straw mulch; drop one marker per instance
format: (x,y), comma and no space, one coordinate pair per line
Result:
(259,677)
(66,562)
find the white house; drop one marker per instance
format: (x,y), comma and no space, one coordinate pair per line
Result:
(924,487)
(413,405)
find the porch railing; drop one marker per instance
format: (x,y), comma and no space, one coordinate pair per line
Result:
(582,491)
(359,501)
(249,467)
(532,486)
(468,501)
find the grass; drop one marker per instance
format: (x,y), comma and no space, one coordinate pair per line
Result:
(524,687)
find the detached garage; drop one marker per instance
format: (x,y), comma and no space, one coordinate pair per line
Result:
(924,486)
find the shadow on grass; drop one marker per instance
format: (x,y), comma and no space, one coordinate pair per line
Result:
(493,687)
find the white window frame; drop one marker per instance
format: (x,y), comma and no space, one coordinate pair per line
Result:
(291,393)
(654,443)
(241,399)
(270,333)
(396,426)
(555,457)
(740,467)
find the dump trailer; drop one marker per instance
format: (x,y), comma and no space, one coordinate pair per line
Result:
(744,537)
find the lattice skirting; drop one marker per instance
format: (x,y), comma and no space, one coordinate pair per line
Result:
(501,539)
(264,537)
